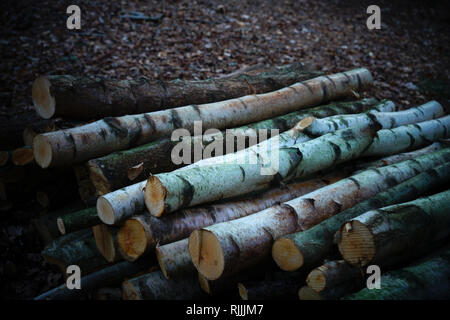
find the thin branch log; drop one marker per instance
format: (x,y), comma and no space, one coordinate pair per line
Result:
(77,220)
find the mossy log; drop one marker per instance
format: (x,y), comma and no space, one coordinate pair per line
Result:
(108,276)
(335,279)
(227,247)
(424,280)
(396,233)
(309,248)
(110,172)
(77,248)
(94,98)
(102,137)
(78,220)
(154,286)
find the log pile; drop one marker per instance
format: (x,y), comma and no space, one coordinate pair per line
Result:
(313,189)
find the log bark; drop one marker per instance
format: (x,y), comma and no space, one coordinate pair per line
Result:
(395,233)
(228,247)
(110,172)
(309,248)
(108,276)
(426,279)
(77,248)
(78,220)
(386,120)
(106,242)
(140,234)
(335,279)
(167,192)
(154,286)
(34,128)
(112,134)
(94,98)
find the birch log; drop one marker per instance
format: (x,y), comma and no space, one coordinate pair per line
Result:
(168,192)
(228,247)
(396,233)
(426,279)
(77,220)
(140,234)
(174,260)
(94,98)
(112,134)
(153,286)
(386,120)
(309,248)
(335,279)
(110,172)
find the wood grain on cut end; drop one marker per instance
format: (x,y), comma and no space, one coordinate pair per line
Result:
(132,239)
(105,211)
(98,179)
(43,101)
(42,151)
(316,280)
(23,156)
(287,255)
(206,254)
(304,123)
(104,239)
(155,194)
(306,293)
(243,293)
(204,283)
(356,243)
(130,292)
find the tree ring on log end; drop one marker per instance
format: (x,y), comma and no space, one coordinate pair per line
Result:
(132,239)
(316,280)
(243,293)
(105,211)
(206,254)
(155,195)
(43,101)
(356,243)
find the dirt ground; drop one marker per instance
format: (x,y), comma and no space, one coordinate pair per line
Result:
(408,57)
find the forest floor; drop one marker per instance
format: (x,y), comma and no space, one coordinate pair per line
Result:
(408,57)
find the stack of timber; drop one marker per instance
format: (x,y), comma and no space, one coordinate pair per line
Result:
(315,187)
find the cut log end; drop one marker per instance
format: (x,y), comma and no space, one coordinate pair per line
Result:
(105,211)
(43,101)
(42,151)
(204,284)
(306,293)
(60,224)
(287,255)
(97,177)
(104,239)
(132,240)
(206,254)
(356,243)
(243,293)
(160,259)
(155,194)
(130,292)
(304,123)
(316,280)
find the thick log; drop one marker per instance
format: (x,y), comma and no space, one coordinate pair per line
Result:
(309,248)
(395,233)
(154,286)
(108,276)
(227,247)
(76,248)
(335,279)
(106,241)
(140,234)
(426,279)
(200,185)
(45,125)
(113,134)
(167,192)
(77,220)
(110,172)
(94,98)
